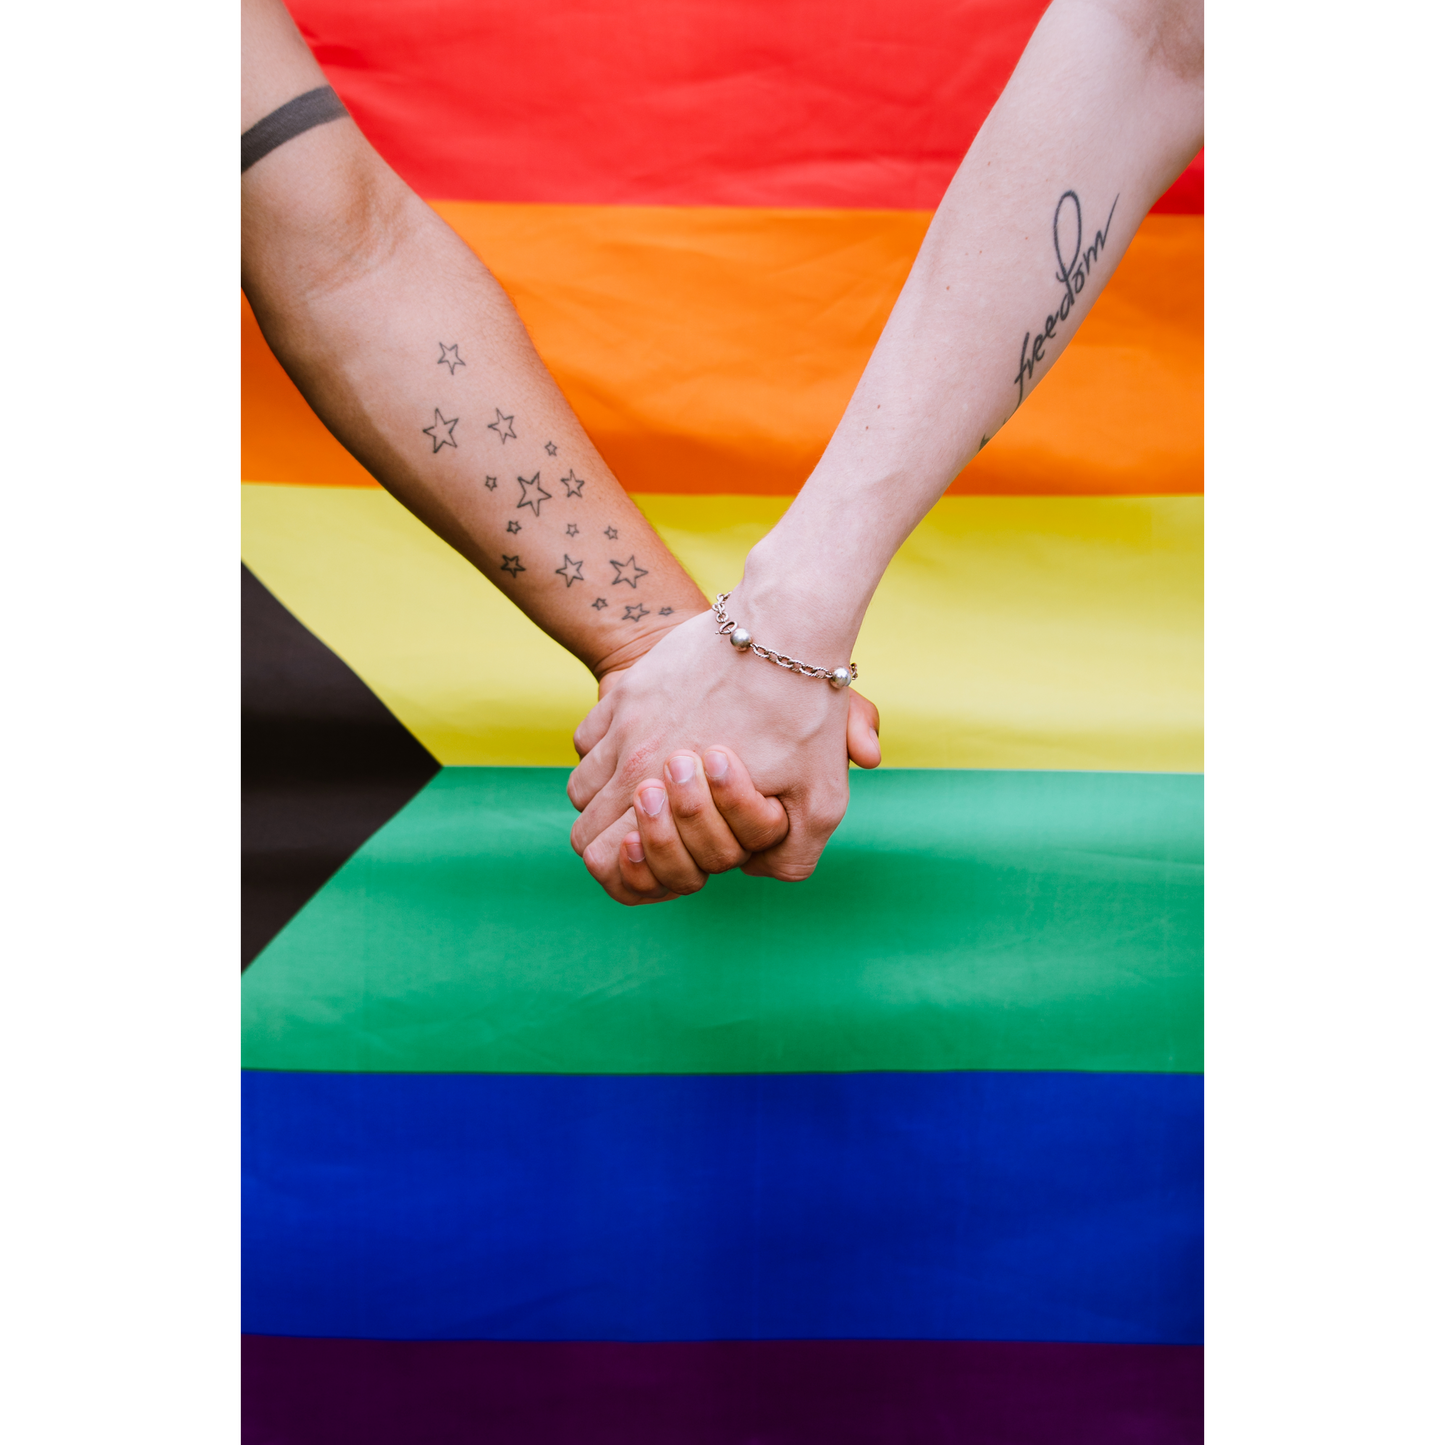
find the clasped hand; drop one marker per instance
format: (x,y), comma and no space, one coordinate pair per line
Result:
(663,791)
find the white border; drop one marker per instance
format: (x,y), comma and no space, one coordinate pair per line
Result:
(1323,726)
(120,388)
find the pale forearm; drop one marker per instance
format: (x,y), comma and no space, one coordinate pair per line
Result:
(1101,114)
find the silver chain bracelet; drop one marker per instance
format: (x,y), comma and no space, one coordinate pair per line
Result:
(742,639)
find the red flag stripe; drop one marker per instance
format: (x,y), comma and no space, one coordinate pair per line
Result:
(836,103)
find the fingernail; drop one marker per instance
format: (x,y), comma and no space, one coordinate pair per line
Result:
(652,801)
(680,769)
(716,765)
(632,846)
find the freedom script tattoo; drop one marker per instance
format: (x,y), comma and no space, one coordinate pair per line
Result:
(1073,275)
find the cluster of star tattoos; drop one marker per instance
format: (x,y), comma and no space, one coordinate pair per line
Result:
(442,433)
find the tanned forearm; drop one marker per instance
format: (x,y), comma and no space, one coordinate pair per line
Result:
(408,349)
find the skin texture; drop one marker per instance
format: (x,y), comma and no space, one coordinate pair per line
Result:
(408,349)
(392,329)
(807,720)
(1103,112)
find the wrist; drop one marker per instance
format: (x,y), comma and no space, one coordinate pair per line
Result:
(795,607)
(640,644)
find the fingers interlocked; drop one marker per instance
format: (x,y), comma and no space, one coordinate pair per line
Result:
(703,816)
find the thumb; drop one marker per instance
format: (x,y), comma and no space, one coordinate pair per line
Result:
(811,822)
(863,745)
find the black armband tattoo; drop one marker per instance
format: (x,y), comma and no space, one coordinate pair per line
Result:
(286,122)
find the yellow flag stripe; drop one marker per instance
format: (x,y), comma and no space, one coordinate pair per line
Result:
(1010,632)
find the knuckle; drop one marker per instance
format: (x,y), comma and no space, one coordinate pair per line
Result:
(792,872)
(741,793)
(688,805)
(722,859)
(641,885)
(677,877)
(755,840)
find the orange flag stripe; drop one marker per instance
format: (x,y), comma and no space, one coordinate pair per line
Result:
(712,350)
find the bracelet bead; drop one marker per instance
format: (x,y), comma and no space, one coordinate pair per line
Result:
(838,677)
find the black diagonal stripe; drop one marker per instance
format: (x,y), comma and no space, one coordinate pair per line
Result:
(288,121)
(324,764)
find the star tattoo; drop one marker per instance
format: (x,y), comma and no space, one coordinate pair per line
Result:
(664,611)
(512,564)
(440,432)
(452,360)
(628,572)
(634,613)
(534,497)
(491,484)
(514,525)
(600,603)
(502,426)
(551,449)
(611,534)
(573,483)
(573,529)
(571,571)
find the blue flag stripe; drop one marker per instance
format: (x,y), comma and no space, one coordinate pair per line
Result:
(973,1205)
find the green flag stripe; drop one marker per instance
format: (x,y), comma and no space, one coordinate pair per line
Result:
(959,920)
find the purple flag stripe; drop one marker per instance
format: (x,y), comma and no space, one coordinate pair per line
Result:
(732,1392)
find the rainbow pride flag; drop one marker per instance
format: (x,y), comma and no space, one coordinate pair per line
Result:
(910,1152)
